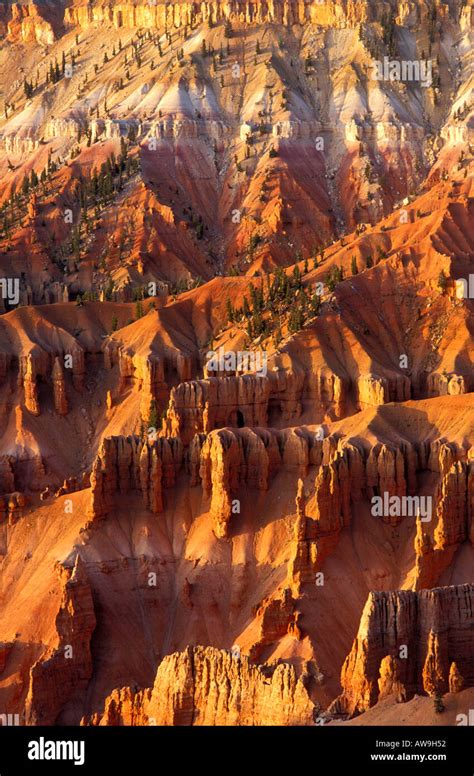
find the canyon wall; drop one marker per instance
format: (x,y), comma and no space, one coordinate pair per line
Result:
(126,464)
(227,460)
(410,642)
(42,22)
(208,686)
(61,676)
(340,13)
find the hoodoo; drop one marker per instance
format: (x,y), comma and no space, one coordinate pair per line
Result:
(236,364)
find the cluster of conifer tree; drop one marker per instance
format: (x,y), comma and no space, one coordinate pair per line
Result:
(100,187)
(278,298)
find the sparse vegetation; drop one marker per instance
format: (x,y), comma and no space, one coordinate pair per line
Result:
(442,281)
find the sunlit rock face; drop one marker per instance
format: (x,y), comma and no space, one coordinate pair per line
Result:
(236,417)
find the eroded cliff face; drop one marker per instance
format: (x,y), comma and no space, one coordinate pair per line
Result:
(368,143)
(32,22)
(410,642)
(197,566)
(454,521)
(58,680)
(345,478)
(208,686)
(129,464)
(192,505)
(287,12)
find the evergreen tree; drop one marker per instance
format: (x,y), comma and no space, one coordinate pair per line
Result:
(153,417)
(25,186)
(439,706)
(296,320)
(230,310)
(442,281)
(297,276)
(315,304)
(28,89)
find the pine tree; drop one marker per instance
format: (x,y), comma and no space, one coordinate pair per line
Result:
(315,304)
(354,269)
(229,310)
(25,186)
(439,706)
(296,320)
(28,89)
(442,281)
(297,276)
(331,281)
(153,417)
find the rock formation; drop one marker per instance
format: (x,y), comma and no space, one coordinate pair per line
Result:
(59,386)
(30,388)
(11,507)
(29,24)
(235,176)
(127,464)
(454,511)
(208,686)
(406,643)
(230,401)
(59,679)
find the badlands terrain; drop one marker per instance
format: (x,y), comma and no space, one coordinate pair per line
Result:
(188,543)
